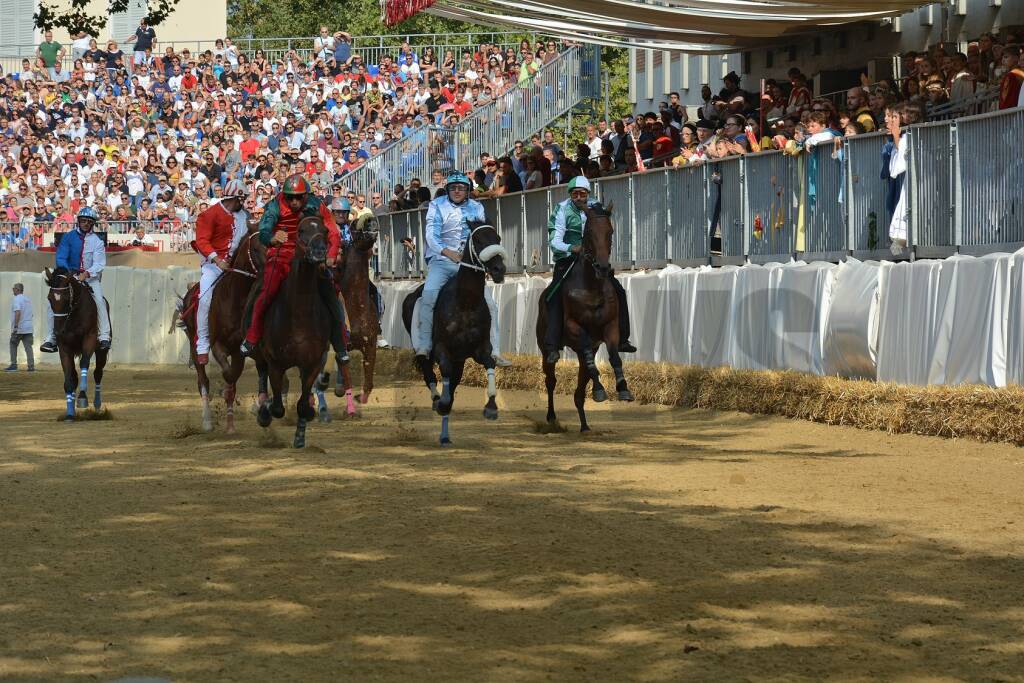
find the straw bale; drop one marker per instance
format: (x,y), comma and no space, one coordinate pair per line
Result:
(966,411)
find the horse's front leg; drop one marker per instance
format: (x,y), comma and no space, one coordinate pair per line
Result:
(369,362)
(580,395)
(204,394)
(231,369)
(67,363)
(486,359)
(278,385)
(444,402)
(320,387)
(83,380)
(587,353)
(97,378)
(263,416)
(611,343)
(303,407)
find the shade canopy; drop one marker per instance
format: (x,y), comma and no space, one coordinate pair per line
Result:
(710,26)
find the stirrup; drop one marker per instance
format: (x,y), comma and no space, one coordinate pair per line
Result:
(552,357)
(104,345)
(626,347)
(501,361)
(48,347)
(247,348)
(341,358)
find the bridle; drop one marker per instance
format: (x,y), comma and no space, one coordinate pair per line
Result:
(71,295)
(248,253)
(478,260)
(586,253)
(315,250)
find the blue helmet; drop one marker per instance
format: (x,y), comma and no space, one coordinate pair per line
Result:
(458,178)
(88,212)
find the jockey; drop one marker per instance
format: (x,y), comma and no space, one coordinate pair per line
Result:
(565,235)
(447,230)
(219,230)
(279,231)
(341,209)
(82,252)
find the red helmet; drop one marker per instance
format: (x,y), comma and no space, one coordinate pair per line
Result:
(295,185)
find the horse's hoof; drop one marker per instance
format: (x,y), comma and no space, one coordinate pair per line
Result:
(434,403)
(600,395)
(277,411)
(207,426)
(584,429)
(83,403)
(490,413)
(299,442)
(263,417)
(339,391)
(325,415)
(69,418)
(626,395)
(364,399)
(351,412)
(445,442)
(230,429)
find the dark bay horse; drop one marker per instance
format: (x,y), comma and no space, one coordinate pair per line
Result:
(591,315)
(298,329)
(462,322)
(360,297)
(75,328)
(227,307)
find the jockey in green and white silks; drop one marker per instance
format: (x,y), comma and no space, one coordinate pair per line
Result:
(565,237)
(447,230)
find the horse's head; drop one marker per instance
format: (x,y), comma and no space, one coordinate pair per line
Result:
(64,293)
(484,251)
(364,232)
(597,238)
(251,254)
(312,239)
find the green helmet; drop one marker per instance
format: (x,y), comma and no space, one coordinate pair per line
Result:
(579,183)
(295,185)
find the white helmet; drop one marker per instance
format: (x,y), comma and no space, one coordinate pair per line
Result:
(580,182)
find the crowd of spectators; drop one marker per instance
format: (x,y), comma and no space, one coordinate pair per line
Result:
(148,138)
(730,122)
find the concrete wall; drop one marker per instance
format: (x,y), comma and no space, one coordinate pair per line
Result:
(142,301)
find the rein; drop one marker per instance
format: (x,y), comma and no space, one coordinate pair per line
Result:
(71,303)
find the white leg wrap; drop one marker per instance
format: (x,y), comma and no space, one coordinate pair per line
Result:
(492,390)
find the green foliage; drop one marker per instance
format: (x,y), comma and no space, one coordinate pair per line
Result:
(260,19)
(615,76)
(77,18)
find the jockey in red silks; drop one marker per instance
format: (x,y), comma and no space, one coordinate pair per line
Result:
(279,229)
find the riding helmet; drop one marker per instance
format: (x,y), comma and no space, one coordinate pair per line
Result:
(88,212)
(340,204)
(295,185)
(234,188)
(458,178)
(579,183)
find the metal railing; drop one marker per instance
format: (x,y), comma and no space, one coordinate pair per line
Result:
(492,128)
(370,48)
(964,183)
(173,234)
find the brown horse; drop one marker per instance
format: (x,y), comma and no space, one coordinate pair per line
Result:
(360,298)
(75,328)
(227,307)
(591,310)
(298,329)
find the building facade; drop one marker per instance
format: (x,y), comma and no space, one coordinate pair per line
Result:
(833,57)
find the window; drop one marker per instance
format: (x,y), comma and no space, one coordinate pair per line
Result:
(123,24)
(17,32)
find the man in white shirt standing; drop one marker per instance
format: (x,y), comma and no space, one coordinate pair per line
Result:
(21,328)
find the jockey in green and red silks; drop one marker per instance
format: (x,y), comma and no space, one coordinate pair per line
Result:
(279,229)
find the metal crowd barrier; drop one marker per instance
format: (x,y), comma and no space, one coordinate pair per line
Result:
(963,197)
(492,128)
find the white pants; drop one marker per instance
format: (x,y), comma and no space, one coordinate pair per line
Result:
(439,272)
(209,274)
(101,308)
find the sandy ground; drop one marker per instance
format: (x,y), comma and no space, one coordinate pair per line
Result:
(668,545)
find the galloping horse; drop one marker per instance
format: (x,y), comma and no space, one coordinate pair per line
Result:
(227,307)
(75,328)
(361,305)
(591,315)
(462,322)
(298,329)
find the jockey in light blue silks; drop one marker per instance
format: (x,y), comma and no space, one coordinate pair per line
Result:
(83,254)
(447,230)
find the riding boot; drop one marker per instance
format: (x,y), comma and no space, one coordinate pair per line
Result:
(338,332)
(624,344)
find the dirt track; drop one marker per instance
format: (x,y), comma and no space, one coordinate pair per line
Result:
(669,545)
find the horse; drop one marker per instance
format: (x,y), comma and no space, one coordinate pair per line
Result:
(298,330)
(360,299)
(75,327)
(462,323)
(227,308)
(591,310)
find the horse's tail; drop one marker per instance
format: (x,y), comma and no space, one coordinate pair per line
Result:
(176,320)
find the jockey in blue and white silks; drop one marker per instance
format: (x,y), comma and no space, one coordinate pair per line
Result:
(84,255)
(447,230)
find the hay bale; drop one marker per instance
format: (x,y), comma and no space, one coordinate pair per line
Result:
(967,411)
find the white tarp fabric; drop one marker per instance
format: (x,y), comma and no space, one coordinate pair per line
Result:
(852,330)
(928,322)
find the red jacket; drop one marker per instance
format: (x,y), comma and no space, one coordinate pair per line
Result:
(279,217)
(215,228)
